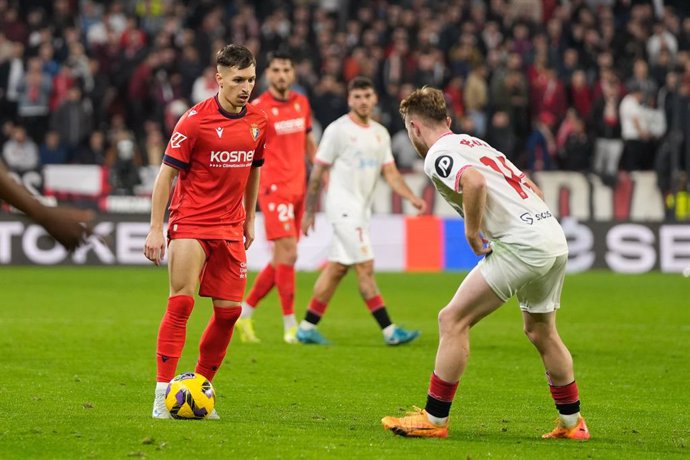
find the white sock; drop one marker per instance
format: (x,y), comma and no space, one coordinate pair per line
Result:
(161,387)
(438,421)
(388,331)
(306,325)
(569,420)
(247,311)
(289,321)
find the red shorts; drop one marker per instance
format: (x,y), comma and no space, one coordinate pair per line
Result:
(224,275)
(282,213)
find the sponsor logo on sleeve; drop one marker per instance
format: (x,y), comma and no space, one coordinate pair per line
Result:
(176,139)
(444,165)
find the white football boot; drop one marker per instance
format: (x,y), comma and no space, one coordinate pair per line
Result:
(159,409)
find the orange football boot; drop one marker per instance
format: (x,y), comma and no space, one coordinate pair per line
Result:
(579,432)
(415,425)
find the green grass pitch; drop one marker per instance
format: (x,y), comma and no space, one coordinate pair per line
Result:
(77,371)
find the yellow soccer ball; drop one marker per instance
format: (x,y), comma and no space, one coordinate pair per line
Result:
(190,396)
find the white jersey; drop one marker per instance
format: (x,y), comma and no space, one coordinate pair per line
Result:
(514,213)
(356,153)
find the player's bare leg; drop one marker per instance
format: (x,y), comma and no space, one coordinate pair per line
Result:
(324,288)
(186,260)
(473,300)
(541,330)
(392,334)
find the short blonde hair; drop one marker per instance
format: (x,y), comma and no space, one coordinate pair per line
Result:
(426,102)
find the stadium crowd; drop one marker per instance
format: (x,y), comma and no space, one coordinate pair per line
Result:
(586,85)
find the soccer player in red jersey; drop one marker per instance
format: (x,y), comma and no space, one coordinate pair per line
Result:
(215,153)
(282,191)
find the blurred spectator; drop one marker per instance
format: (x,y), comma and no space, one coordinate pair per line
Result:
(11,77)
(476,98)
(73,119)
(641,80)
(329,100)
(576,154)
(34,96)
(502,136)
(580,93)
(662,39)
(205,85)
(406,157)
(20,153)
(52,152)
(606,125)
(541,146)
(634,130)
(93,152)
(124,174)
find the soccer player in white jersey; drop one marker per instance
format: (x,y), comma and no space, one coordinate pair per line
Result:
(525,254)
(355,150)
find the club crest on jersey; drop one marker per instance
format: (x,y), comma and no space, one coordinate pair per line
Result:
(255,131)
(444,165)
(219,131)
(176,139)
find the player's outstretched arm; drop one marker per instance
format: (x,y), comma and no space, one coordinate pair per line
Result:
(399,186)
(154,247)
(473,186)
(62,223)
(313,192)
(251,193)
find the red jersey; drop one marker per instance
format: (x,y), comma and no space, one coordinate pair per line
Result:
(214,151)
(289,121)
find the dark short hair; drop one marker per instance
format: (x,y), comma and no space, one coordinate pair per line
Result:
(280,53)
(360,83)
(235,56)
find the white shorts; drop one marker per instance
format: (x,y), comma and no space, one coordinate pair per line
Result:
(538,285)
(351,243)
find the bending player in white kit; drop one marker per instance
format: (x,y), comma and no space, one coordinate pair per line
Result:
(356,150)
(525,254)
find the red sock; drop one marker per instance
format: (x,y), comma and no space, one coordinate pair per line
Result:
(442,390)
(315,311)
(285,282)
(566,397)
(263,284)
(171,336)
(440,396)
(374,303)
(215,340)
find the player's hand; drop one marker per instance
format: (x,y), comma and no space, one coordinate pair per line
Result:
(69,226)
(480,245)
(419,204)
(154,247)
(308,223)
(248,233)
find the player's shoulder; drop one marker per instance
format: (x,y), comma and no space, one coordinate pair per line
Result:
(379,128)
(262,99)
(299,98)
(255,112)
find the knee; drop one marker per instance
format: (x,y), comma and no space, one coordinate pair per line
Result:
(537,334)
(450,322)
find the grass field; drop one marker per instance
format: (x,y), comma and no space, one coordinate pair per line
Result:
(77,347)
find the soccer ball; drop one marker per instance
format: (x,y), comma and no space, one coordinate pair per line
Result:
(190,396)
